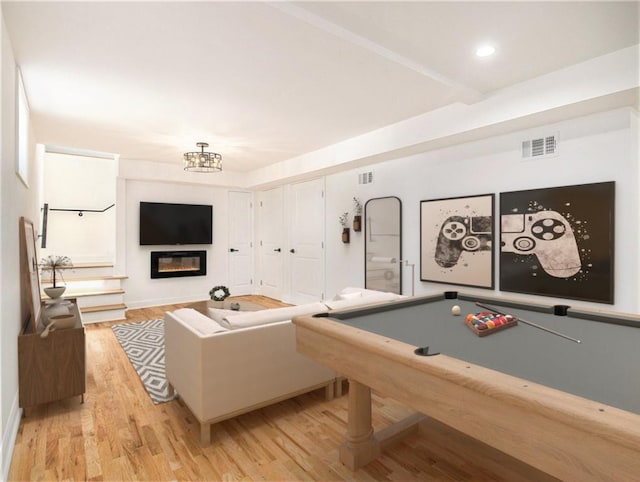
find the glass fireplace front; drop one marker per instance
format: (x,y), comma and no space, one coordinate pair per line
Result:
(176,264)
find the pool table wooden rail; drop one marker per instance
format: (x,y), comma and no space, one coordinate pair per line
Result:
(564,435)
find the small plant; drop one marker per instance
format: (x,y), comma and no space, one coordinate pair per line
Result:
(219,293)
(55,264)
(344,220)
(357,207)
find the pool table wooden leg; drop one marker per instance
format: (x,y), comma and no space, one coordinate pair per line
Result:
(360,447)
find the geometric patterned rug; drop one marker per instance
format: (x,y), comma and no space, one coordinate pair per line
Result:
(143,342)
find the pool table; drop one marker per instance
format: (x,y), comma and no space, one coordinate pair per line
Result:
(569,409)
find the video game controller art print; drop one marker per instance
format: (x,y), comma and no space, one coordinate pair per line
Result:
(457,240)
(545,234)
(459,234)
(558,241)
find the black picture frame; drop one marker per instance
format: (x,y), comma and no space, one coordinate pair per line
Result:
(559,242)
(456,240)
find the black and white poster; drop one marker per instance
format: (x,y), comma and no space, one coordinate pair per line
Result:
(559,241)
(456,240)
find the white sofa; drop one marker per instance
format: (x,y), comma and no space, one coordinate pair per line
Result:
(245,360)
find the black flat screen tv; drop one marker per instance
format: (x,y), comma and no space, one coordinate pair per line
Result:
(164,223)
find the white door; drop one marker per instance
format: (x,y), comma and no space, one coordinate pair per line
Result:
(271,242)
(240,243)
(306,242)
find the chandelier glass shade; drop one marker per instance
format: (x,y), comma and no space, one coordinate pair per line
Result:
(202,161)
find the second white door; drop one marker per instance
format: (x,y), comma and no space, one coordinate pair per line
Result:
(240,243)
(306,241)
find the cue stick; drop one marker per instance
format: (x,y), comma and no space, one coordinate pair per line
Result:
(528,322)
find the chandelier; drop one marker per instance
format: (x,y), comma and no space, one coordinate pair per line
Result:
(202,161)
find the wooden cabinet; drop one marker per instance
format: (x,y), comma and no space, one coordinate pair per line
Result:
(52,368)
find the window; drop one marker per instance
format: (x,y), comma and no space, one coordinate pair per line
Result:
(22,131)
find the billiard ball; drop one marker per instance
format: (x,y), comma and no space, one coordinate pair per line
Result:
(455,311)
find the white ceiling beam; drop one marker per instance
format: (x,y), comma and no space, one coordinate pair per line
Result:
(606,82)
(463,93)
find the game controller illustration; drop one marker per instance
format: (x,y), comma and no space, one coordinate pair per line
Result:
(545,234)
(462,233)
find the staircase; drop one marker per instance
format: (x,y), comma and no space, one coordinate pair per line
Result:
(98,291)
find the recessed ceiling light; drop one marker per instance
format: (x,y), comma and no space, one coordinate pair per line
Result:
(485,50)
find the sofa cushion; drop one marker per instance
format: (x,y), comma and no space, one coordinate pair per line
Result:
(351,289)
(351,292)
(370,296)
(255,318)
(349,296)
(218,314)
(200,323)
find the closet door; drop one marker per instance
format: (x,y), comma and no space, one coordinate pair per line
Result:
(271,247)
(240,243)
(306,241)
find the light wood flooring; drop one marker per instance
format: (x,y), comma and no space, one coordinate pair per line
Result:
(119,434)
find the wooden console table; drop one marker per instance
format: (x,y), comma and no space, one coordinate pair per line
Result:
(52,368)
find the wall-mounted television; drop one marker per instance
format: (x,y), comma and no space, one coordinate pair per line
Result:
(164,223)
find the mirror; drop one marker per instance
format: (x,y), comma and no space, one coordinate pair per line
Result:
(383,244)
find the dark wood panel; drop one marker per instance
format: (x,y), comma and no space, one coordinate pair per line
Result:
(51,368)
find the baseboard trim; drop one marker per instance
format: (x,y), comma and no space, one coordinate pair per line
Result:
(164,301)
(9,437)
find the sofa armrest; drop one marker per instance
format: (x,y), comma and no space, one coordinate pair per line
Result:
(227,373)
(183,360)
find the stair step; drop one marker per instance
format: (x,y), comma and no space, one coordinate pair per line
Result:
(107,313)
(93,309)
(92,285)
(100,300)
(88,278)
(78,294)
(87,269)
(91,265)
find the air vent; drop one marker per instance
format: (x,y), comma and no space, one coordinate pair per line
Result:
(365,177)
(542,146)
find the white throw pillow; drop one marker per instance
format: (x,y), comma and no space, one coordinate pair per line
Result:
(200,323)
(351,289)
(218,314)
(350,296)
(255,318)
(369,298)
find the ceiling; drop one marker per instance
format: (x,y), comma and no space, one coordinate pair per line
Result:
(266,82)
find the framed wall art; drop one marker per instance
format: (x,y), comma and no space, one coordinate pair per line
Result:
(456,240)
(30,279)
(559,241)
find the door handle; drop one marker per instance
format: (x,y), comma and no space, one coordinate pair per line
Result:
(278,250)
(233,250)
(292,250)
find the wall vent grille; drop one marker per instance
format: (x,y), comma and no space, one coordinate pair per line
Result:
(365,177)
(539,147)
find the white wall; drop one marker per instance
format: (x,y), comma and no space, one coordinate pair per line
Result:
(140,289)
(596,148)
(79,182)
(3,442)
(16,200)
(580,89)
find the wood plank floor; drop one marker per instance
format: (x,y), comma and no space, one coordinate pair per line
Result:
(119,434)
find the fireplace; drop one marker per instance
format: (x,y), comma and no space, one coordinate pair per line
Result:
(176,264)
